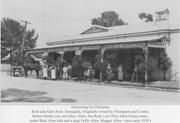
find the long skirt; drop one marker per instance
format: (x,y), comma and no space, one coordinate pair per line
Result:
(120,75)
(109,77)
(53,74)
(65,75)
(44,70)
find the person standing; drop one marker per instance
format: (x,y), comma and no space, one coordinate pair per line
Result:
(135,74)
(61,72)
(37,68)
(109,72)
(57,70)
(91,73)
(85,74)
(69,71)
(53,72)
(44,69)
(65,72)
(120,72)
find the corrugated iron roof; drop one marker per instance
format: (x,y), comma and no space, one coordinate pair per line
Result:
(116,30)
(112,41)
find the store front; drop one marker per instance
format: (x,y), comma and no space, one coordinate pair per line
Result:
(123,57)
(128,46)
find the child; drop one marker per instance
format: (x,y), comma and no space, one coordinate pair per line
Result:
(91,73)
(85,74)
(65,72)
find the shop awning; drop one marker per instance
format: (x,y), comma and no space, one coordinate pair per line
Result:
(112,41)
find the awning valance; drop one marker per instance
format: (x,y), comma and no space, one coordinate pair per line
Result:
(112,41)
(131,42)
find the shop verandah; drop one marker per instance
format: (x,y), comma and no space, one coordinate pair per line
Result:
(124,53)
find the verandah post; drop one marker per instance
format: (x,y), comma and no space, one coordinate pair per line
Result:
(102,60)
(145,51)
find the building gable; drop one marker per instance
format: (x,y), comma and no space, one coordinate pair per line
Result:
(94,29)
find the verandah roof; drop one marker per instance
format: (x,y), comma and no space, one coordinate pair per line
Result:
(108,41)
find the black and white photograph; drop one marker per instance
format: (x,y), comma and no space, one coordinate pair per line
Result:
(71,52)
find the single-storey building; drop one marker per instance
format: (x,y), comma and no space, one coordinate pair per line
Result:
(120,45)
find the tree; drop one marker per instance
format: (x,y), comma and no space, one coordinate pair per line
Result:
(152,65)
(77,67)
(107,19)
(148,17)
(101,66)
(12,33)
(165,63)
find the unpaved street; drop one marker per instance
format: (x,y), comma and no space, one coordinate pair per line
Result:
(68,92)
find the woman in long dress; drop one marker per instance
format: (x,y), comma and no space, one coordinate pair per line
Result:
(53,72)
(69,71)
(44,69)
(109,73)
(120,73)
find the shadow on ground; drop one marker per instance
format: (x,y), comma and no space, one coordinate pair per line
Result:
(17,95)
(66,100)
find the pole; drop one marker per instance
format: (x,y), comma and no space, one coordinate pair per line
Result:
(145,50)
(102,61)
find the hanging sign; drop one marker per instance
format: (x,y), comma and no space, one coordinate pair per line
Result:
(70,48)
(124,45)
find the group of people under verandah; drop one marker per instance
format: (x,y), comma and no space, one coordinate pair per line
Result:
(56,71)
(89,68)
(63,70)
(110,75)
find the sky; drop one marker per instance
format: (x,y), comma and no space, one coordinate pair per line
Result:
(53,19)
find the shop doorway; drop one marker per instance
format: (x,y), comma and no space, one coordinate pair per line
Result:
(123,57)
(90,56)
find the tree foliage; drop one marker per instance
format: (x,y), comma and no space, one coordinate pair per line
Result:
(77,65)
(165,63)
(12,33)
(148,17)
(107,19)
(101,66)
(152,65)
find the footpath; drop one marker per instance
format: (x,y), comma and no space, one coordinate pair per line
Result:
(172,86)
